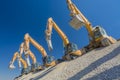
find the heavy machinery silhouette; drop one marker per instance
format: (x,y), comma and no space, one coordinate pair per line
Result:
(17,56)
(47,60)
(70,49)
(97,35)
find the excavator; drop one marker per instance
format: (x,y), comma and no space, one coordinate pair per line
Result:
(70,49)
(35,66)
(97,35)
(17,56)
(47,60)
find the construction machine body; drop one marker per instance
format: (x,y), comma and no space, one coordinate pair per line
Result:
(47,60)
(70,49)
(25,69)
(97,35)
(28,53)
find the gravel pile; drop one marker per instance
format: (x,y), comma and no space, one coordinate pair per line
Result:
(99,64)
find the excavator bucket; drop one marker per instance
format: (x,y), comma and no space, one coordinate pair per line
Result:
(76,22)
(49,42)
(48,39)
(11,66)
(50,45)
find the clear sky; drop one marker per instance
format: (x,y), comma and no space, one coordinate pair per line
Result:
(18,17)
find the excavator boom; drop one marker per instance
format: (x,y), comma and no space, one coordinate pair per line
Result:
(28,39)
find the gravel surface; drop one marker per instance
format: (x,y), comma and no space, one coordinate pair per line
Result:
(99,64)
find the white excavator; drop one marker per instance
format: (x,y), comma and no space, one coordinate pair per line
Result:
(97,35)
(47,60)
(70,49)
(17,56)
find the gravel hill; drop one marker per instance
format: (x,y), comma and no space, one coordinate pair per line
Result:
(99,64)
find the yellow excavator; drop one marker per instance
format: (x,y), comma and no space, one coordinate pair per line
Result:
(47,60)
(70,49)
(35,65)
(97,35)
(17,56)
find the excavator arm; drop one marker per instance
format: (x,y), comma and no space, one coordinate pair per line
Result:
(28,39)
(51,24)
(73,9)
(21,48)
(47,60)
(17,55)
(30,53)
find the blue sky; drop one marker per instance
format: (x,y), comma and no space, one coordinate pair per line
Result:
(18,17)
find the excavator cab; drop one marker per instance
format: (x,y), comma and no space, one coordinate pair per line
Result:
(76,22)
(48,61)
(36,67)
(25,71)
(99,33)
(69,51)
(70,48)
